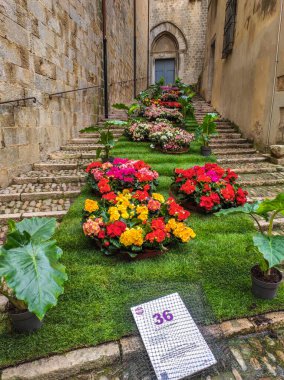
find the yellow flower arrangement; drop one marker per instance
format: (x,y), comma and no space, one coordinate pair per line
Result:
(132,236)
(142,212)
(114,214)
(91,206)
(158,197)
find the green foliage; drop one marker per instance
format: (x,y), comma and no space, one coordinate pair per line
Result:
(130,109)
(120,106)
(29,265)
(206,129)
(271,247)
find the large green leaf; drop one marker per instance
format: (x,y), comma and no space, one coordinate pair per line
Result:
(271,247)
(247,208)
(29,263)
(39,229)
(120,106)
(276,204)
(34,274)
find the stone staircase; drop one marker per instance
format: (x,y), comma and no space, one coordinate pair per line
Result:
(261,178)
(50,188)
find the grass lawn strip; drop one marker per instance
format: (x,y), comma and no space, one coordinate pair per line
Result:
(100,290)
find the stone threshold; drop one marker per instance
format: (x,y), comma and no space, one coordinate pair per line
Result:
(21,215)
(83,360)
(39,195)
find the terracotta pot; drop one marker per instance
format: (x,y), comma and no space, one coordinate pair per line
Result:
(263,289)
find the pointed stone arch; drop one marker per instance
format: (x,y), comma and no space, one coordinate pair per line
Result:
(167,42)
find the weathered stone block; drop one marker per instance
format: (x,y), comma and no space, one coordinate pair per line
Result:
(277,151)
(237,326)
(64,366)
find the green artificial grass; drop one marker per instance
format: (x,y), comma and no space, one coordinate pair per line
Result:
(95,307)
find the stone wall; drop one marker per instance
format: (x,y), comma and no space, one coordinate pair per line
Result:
(185,22)
(45,47)
(120,35)
(241,86)
(48,46)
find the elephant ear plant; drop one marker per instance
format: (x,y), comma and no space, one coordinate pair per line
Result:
(31,275)
(205,131)
(265,277)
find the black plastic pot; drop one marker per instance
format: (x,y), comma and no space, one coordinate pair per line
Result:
(25,322)
(263,289)
(205,151)
(110,159)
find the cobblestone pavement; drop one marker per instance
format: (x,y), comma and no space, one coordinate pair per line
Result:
(256,356)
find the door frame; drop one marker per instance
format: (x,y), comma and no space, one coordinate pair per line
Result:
(160,59)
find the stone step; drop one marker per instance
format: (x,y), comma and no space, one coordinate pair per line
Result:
(236,159)
(227,130)
(228,136)
(278,222)
(22,209)
(221,140)
(80,147)
(72,155)
(28,192)
(115,132)
(49,179)
(228,144)
(232,151)
(257,168)
(50,166)
(263,192)
(261,182)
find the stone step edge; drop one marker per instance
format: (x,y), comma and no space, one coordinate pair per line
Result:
(278,222)
(50,179)
(40,214)
(259,183)
(82,360)
(39,195)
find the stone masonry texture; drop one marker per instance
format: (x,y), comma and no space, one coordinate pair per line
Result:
(188,19)
(48,46)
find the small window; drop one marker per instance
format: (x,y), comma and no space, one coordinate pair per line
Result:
(229,29)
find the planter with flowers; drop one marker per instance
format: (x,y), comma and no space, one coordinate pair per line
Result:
(266,278)
(170,140)
(139,131)
(154,112)
(207,188)
(136,223)
(122,173)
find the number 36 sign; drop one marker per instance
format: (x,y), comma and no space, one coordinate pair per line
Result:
(173,341)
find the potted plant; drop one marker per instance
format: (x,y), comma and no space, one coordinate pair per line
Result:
(137,224)
(122,173)
(270,247)
(106,138)
(207,188)
(31,275)
(205,131)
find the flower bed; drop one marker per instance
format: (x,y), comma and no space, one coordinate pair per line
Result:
(158,112)
(170,140)
(208,188)
(135,222)
(139,131)
(123,173)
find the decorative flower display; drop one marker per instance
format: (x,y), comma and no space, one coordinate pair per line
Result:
(170,139)
(133,222)
(209,187)
(123,173)
(154,112)
(139,131)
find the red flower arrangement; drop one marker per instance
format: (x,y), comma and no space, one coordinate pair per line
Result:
(208,188)
(109,178)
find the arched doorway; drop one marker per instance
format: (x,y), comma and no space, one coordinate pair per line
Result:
(165,51)
(168,46)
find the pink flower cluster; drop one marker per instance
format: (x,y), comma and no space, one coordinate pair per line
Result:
(155,112)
